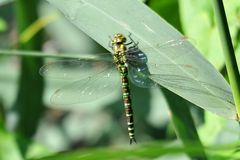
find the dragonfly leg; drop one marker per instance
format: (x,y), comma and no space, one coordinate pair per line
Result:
(133,49)
(128,43)
(110,43)
(131,40)
(130,34)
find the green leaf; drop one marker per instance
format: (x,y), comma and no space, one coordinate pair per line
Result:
(229,54)
(164,8)
(145,151)
(183,123)
(28,105)
(8,147)
(206,35)
(193,77)
(3,25)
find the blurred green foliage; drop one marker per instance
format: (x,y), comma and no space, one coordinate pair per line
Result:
(101,123)
(29,102)
(3,25)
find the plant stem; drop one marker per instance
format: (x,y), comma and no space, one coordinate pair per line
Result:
(37,54)
(229,55)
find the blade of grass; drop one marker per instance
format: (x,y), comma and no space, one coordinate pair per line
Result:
(29,104)
(145,151)
(183,123)
(8,147)
(229,55)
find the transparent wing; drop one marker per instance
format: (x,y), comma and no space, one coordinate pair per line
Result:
(139,74)
(174,66)
(137,55)
(183,83)
(87,89)
(139,65)
(199,90)
(213,95)
(80,69)
(74,69)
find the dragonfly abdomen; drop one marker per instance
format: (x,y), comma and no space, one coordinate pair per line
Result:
(128,107)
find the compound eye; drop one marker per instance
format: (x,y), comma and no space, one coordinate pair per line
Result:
(119,35)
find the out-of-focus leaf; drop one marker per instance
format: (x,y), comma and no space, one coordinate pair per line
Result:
(217,130)
(146,151)
(2,114)
(38,150)
(8,147)
(71,40)
(165,9)
(183,122)
(29,105)
(206,35)
(3,25)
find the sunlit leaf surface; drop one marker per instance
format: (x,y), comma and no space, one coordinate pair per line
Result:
(100,19)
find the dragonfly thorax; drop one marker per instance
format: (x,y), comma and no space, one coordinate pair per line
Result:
(119,58)
(119,48)
(118,44)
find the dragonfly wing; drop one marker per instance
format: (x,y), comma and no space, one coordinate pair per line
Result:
(87,89)
(139,75)
(136,54)
(140,68)
(216,98)
(140,72)
(178,73)
(74,69)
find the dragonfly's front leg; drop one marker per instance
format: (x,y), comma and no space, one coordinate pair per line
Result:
(132,41)
(110,45)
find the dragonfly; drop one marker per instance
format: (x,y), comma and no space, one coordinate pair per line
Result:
(95,78)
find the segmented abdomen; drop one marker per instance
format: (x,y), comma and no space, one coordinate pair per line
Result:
(128,107)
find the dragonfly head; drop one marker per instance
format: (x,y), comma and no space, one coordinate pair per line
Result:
(118,39)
